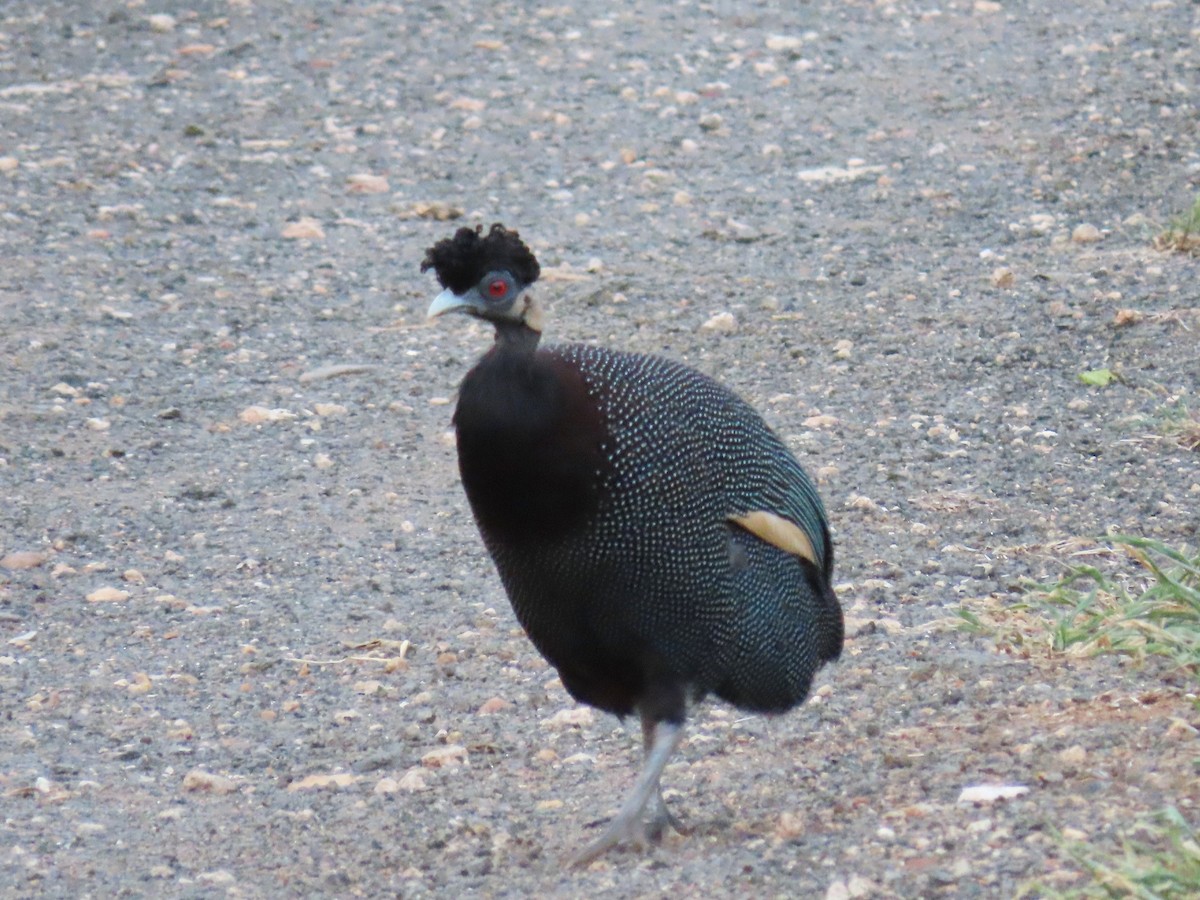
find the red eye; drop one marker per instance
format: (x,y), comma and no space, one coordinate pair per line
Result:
(497,289)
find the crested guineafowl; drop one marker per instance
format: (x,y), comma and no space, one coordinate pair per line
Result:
(658,541)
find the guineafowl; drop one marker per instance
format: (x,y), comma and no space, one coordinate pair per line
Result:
(657,540)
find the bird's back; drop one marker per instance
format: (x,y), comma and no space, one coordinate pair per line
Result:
(647,577)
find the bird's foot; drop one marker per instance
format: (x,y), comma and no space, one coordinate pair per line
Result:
(630,832)
(630,825)
(661,819)
(619,831)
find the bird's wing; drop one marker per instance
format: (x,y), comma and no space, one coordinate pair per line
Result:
(779,532)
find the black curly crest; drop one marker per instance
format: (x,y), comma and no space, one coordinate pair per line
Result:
(461,261)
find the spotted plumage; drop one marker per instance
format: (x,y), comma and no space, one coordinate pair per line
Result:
(658,541)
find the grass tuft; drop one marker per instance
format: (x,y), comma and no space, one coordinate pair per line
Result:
(1182,425)
(1183,234)
(1159,860)
(1154,610)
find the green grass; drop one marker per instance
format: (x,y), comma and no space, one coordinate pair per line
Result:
(1159,860)
(1156,611)
(1151,608)
(1183,234)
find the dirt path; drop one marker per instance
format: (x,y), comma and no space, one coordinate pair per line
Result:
(251,645)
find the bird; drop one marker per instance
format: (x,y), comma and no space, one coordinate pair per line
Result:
(657,540)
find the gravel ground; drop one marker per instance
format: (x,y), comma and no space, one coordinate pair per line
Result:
(252,646)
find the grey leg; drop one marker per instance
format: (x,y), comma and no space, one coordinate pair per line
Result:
(660,817)
(663,737)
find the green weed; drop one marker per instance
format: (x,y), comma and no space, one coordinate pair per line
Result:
(1159,860)
(1152,610)
(1183,234)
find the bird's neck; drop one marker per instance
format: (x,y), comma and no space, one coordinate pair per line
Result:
(529,441)
(516,339)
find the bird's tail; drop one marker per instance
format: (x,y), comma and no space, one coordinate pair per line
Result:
(788,622)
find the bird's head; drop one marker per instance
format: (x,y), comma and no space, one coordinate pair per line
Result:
(485,275)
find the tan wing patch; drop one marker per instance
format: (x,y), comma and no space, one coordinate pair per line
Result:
(778,532)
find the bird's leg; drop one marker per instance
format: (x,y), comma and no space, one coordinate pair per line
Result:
(662,738)
(660,817)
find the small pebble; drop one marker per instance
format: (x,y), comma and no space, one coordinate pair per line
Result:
(365,183)
(1041,223)
(821,421)
(723,322)
(386,786)
(323,781)
(198,780)
(783,42)
(493,706)
(1073,756)
(257,415)
(990,793)
(305,228)
(790,825)
(23,559)
(107,595)
(450,756)
(216,877)
(577,715)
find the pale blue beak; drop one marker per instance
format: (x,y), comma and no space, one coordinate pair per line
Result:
(448,301)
